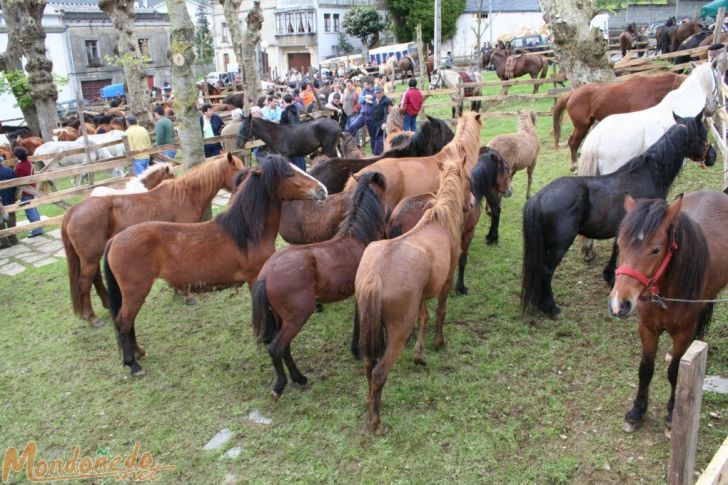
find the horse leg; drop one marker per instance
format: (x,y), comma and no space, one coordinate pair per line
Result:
(460,285)
(89,275)
(139,352)
(125,327)
(680,343)
(420,345)
(355,335)
(586,249)
(575,139)
(440,314)
(101,289)
(529,172)
(296,375)
(554,255)
(397,333)
(608,272)
(649,341)
(495,209)
(290,326)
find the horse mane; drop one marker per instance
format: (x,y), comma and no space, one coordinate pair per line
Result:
(365,219)
(686,272)
(702,75)
(448,207)
(244,220)
(527,121)
(467,137)
(205,177)
(489,166)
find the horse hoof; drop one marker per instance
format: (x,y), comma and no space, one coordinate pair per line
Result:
(491,242)
(139,373)
(462,291)
(668,433)
(589,257)
(319,308)
(420,361)
(668,355)
(190,301)
(97,323)
(275,395)
(140,354)
(440,345)
(300,380)
(629,427)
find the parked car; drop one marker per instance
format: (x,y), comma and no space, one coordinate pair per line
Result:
(66,107)
(653,28)
(531,43)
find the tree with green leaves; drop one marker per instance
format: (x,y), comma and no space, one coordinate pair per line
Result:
(345,46)
(364,23)
(406,14)
(204,48)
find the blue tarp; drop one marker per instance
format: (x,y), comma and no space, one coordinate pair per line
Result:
(711,9)
(112,90)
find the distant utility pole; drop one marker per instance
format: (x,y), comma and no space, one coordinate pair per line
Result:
(490,21)
(438,9)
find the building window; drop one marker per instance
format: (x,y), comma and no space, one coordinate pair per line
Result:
(336,22)
(327,22)
(92,53)
(144,47)
(295,23)
(224,33)
(335,50)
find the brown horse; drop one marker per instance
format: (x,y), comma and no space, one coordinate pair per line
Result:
(407,68)
(226,251)
(520,150)
(296,277)
(594,102)
(306,222)
(393,129)
(67,133)
(30,143)
(396,277)
(670,256)
(413,176)
(627,38)
(89,224)
(509,66)
(348,147)
(686,29)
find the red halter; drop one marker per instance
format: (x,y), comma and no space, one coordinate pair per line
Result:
(651,282)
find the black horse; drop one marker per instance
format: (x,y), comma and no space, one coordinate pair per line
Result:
(594,207)
(666,35)
(433,135)
(293,140)
(690,43)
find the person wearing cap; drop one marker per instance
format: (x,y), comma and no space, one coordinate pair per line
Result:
(164,131)
(411,104)
(24,169)
(379,116)
(232,128)
(211,125)
(139,139)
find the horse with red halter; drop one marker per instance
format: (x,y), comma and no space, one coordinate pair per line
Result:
(673,262)
(397,276)
(594,102)
(296,277)
(226,251)
(89,224)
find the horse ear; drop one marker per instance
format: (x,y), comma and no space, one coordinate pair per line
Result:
(629,203)
(673,209)
(355,177)
(678,119)
(230,158)
(477,117)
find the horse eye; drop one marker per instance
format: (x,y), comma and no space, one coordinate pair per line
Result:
(656,251)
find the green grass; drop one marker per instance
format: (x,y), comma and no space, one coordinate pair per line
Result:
(509,400)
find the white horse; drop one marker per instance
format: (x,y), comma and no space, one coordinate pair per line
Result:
(450,78)
(619,138)
(148,179)
(52,147)
(113,135)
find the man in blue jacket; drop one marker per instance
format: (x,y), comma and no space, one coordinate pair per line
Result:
(364,118)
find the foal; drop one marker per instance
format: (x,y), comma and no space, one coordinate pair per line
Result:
(147,180)
(226,251)
(520,149)
(296,277)
(397,276)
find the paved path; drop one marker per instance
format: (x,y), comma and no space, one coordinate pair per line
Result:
(46,249)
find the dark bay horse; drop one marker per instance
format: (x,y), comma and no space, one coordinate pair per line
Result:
(592,206)
(594,102)
(226,251)
(397,276)
(292,140)
(491,178)
(627,38)
(89,224)
(432,137)
(696,40)
(509,66)
(669,251)
(666,36)
(407,68)
(296,277)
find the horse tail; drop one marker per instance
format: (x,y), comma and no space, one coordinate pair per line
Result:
(371,336)
(706,315)
(265,325)
(115,298)
(74,269)
(558,113)
(534,255)
(544,67)
(588,163)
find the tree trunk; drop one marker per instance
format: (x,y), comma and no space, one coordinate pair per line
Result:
(231,9)
(422,59)
(365,51)
(254,21)
(182,58)
(121,12)
(30,36)
(581,49)
(11,60)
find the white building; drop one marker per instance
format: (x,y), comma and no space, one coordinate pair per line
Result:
(296,33)
(515,17)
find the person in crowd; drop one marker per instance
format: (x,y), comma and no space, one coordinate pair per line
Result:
(381,109)
(448,60)
(326,89)
(337,110)
(164,131)
(411,104)
(364,118)
(25,169)
(232,128)
(290,117)
(308,95)
(139,139)
(335,90)
(271,111)
(7,197)
(211,125)
(166,90)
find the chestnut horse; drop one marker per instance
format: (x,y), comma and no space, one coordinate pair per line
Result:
(89,224)
(520,150)
(396,277)
(226,251)
(594,102)
(674,251)
(296,277)
(394,134)
(413,176)
(67,133)
(30,143)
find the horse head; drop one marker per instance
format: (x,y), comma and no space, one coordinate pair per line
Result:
(245,133)
(291,182)
(699,148)
(437,79)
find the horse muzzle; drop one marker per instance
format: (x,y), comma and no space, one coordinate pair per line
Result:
(508,192)
(319,193)
(620,308)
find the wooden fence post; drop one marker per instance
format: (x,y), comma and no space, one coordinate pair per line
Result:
(686,414)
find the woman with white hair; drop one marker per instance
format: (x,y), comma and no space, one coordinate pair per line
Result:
(232,128)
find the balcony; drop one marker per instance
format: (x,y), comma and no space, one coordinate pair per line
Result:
(379,4)
(290,40)
(295,4)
